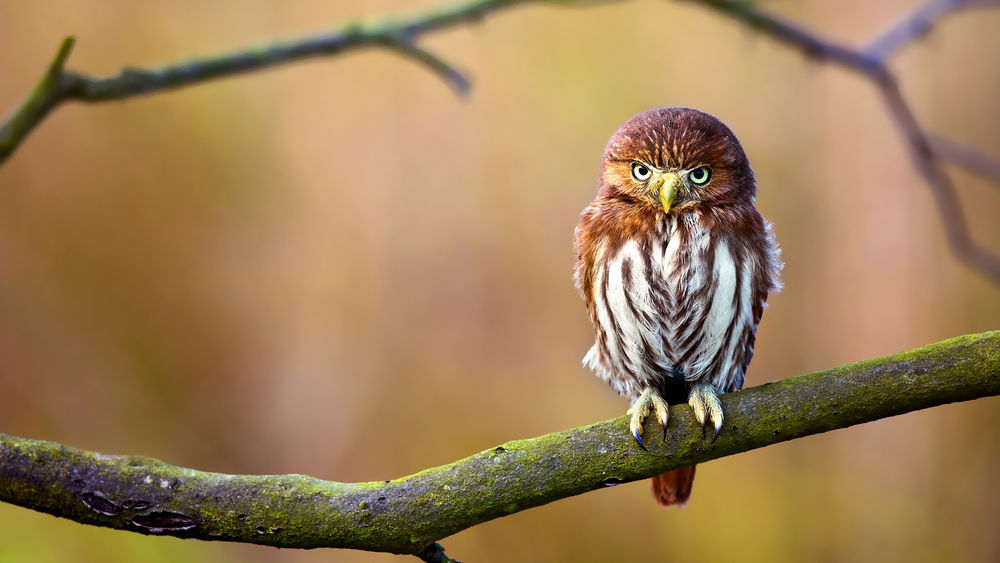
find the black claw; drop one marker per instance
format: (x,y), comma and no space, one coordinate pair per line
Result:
(716,435)
(638,440)
(664,432)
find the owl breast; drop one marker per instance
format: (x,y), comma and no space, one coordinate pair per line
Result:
(673,308)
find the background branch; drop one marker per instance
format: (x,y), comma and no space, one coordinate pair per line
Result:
(871,63)
(58,85)
(409,514)
(967,157)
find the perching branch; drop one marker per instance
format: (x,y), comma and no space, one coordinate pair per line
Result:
(409,514)
(871,63)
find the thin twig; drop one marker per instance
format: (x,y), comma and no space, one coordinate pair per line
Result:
(871,63)
(910,27)
(967,157)
(454,78)
(918,23)
(43,99)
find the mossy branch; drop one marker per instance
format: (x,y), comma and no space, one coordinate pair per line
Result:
(409,514)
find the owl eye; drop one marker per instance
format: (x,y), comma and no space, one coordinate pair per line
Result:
(641,172)
(699,176)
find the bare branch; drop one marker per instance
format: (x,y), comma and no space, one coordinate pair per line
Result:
(59,86)
(409,514)
(918,23)
(871,64)
(43,99)
(967,157)
(911,27)
(452,76)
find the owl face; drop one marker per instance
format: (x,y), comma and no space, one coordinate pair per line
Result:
(676,159)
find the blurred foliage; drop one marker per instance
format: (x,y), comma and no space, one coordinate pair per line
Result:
(338,269)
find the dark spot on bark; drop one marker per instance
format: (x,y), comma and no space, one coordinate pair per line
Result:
(164,520)
(776,432)
(499,450)
(387,482)
(611,482)
(241,516)
(100,504)
(133,504)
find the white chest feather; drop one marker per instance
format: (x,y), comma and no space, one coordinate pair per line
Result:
(677,304)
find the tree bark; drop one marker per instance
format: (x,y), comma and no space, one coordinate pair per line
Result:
(409,514)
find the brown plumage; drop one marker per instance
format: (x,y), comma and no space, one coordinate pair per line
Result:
(675,264)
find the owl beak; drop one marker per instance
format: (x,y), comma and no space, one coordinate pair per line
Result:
(668,189)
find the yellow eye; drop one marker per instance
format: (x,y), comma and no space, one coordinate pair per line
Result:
(700,176)
(641,172)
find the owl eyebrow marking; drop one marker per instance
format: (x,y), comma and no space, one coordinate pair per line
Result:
(648,139)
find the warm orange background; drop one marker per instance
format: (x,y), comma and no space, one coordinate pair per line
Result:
(339,269)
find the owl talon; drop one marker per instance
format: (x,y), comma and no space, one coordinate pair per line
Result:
(704,401)
(662,416)
(649,401)
(699,414)
(637,434)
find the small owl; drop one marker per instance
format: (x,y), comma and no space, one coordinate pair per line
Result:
(675,264)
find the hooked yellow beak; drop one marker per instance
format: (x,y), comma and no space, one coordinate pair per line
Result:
(669,182)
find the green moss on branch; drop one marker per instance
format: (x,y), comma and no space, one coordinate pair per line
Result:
(409,514)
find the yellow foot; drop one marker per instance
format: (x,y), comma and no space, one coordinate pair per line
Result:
(649,401)
(704,399)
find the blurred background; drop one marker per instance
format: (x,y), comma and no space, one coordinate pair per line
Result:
(338,268)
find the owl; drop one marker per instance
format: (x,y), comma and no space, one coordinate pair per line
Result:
(675,264)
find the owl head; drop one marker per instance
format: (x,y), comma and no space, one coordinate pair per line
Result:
(676,159)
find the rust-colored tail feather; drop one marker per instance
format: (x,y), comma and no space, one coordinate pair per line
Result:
(673,487)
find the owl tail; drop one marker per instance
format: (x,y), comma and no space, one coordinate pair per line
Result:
(673,487)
